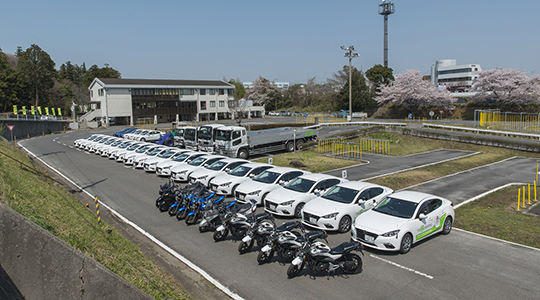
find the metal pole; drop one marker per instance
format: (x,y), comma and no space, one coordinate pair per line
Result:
(350,89)
(386,40)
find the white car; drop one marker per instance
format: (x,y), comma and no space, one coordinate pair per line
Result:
(132,135)
(99,148)
(78,142)
(259,186)
(182,172)
(289,199)
(94,146)
(336,209)
(128,157)
(206,174)
(104,152)
(226,184)
(149,136)
(403,219)
(113,150)
(86,144)
(164,168)
(121,154)
(139,160)
(150,164)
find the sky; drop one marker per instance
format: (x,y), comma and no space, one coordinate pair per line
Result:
(281,40)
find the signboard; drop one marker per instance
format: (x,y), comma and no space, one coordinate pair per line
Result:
(11,127)
(39,109)
(59,112)
(46,110)
(344,174)
(410,116)
(33,110)
(24,110)
(431,113)
(270,160)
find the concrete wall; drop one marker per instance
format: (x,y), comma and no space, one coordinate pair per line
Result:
(32,128)
(41,266)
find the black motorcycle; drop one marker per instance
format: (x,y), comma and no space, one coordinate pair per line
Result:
(213,217)
(167,196)
(320,258)
(238,223)
(259,232)
(285,243)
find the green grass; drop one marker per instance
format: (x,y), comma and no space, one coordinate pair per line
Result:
(496,215)
(52,207)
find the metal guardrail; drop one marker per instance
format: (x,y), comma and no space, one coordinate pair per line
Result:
(397,124)
(482,131)
(14,117)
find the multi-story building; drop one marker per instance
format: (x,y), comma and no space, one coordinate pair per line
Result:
(281,85)
(458,79)
(130,100)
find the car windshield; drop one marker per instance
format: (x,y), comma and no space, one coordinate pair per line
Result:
(396,207)
(154,152)
(218,165)
(239,171)
(267,177)
(167,154)
(223,135)
(198,161)
(109,142)
(143,149)
(181,157)
(341,194)
(124,145)
(117,143)
(134,146)
(205,133)
(300,185)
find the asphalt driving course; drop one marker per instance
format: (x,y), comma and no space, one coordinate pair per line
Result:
(460,265)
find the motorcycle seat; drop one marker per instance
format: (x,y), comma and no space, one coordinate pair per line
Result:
(344,247)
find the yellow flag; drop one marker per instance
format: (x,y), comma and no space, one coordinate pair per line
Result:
(33,109)
(47,111)
(53,111)
(59,112)
(14,109)
(24,110)
(39,109)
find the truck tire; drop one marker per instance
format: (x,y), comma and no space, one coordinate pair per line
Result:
(290,146)
(243,154)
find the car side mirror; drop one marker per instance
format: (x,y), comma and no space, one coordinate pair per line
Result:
(422,216)
(361,201)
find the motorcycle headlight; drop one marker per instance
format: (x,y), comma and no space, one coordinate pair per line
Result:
(226,184)
(287,203)
(254,193)
(330,216)
(391,233)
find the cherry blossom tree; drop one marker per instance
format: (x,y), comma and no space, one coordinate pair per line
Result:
(507,87)
(413,94)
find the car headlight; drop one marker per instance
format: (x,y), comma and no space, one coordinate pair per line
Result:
(202,177)
(287,203)
(226,184)
(154,163)
(182,172)
(254,193)
(391,233)
(330,216)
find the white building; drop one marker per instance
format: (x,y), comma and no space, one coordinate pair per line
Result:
(457,79)
(132,100)
(281,85)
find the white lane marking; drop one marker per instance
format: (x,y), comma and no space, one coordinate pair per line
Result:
(64,144)
(71,147)
(495,239)
(183,259)
(402,267)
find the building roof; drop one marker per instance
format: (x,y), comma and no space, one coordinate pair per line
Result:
(159,83)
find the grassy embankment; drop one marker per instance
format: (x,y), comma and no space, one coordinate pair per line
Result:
(52,207)
(494,215)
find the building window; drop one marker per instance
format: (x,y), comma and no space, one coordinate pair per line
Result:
(187,91)
(202,92)
(211,91)
(221,103)
(222,91)
(101,92)
(91,93)
(212,103)
(203,105)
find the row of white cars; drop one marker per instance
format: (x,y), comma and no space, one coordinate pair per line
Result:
(375,215)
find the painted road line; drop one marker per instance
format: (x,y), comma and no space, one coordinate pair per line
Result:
(402,267)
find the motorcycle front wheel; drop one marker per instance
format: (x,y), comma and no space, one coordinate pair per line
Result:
(220,235)
(181,214)
(173,211)
(163,206)
(263,258)
(191,219)
(245,247)
(294,270)
(352,264)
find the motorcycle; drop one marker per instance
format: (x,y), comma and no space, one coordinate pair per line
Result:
(259,232)
(238,223)
(197,208)
(188,194)
(320,258)
(212,218)
(167,196)
(286,243)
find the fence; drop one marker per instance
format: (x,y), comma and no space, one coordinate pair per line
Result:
(337,147)
(508,121)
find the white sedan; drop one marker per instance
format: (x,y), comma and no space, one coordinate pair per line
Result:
(182,172)
(139,160)
(403,219)
(259,186)
(226,184)
(289,199)
(336,209)
(206,174)
(164,168)
(150,165)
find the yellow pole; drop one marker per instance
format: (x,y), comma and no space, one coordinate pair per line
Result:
(519,198)
(535,190)
(523,197)
(537,171)
(529,195)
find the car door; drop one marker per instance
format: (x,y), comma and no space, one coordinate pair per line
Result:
(286,177)
(432,209)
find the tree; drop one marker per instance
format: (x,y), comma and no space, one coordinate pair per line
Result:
(507,87)
(263,92)
(9,84)
(362,99)
(36,69)
(378,75)
(413,94)
(239,90)
(97,72)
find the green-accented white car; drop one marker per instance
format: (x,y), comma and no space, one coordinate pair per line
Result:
(402,219)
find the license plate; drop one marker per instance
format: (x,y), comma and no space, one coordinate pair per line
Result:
(272,207)
(296,261)
(370,239)
(246,239)
(266,248)
(313,220)
(241,197)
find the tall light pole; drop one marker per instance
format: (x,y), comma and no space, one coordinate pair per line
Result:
(350,54)
(386,9)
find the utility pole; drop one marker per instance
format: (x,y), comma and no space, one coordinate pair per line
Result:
(386,9)
(350,54)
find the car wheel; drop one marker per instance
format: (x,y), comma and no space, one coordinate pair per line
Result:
(447,227)
(298,210)
(406,243)
(290,146)
(344,224)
